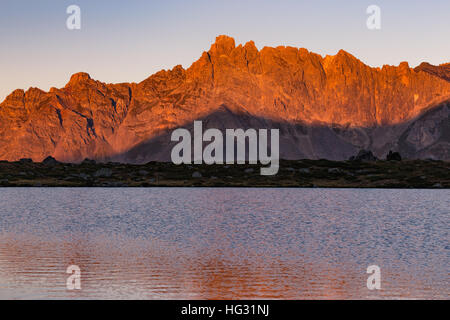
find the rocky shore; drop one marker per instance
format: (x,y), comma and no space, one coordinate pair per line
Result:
(298,173)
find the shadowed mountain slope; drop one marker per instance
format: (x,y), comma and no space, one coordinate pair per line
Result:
(425,137)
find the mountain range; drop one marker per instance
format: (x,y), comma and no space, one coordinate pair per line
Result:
(325,107)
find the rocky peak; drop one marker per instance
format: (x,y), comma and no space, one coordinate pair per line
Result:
(16,95)
(341,59)
(224,45)
(441,71)
(345,55)
(250,46)
(77,78)
(33,92)
(404,65)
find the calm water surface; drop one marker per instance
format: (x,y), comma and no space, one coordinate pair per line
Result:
(206,243)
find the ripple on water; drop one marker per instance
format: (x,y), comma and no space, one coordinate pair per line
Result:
(202,243)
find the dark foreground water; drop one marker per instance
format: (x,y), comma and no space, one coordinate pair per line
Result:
(224,243)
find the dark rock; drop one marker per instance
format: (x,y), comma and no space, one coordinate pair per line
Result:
(88,161)
(26,160)
(103,172)
(364,155)
(393,156)
(437,185)
(82,175)
(196,174)
(50,161)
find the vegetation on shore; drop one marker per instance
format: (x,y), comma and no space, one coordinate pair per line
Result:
(295,173)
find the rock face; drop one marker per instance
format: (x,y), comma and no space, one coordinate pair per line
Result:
(325,107)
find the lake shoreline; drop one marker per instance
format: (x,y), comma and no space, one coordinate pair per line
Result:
(418,174)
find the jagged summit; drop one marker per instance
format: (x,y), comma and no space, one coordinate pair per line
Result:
(442,71)
(223,45)
(18,93)
(327,106)
(79,77)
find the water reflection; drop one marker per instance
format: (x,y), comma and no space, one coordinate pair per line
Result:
(223,243)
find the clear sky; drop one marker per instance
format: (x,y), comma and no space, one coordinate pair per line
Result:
(128,40)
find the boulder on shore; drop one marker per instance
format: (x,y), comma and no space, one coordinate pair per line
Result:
(26,160)
(364,155)
(88,161)
(393,156)
(50,161)
(103,173)
(196,174)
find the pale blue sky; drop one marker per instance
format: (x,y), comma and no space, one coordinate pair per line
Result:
(126,41)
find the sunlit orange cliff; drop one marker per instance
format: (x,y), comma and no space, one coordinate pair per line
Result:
(325,107)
